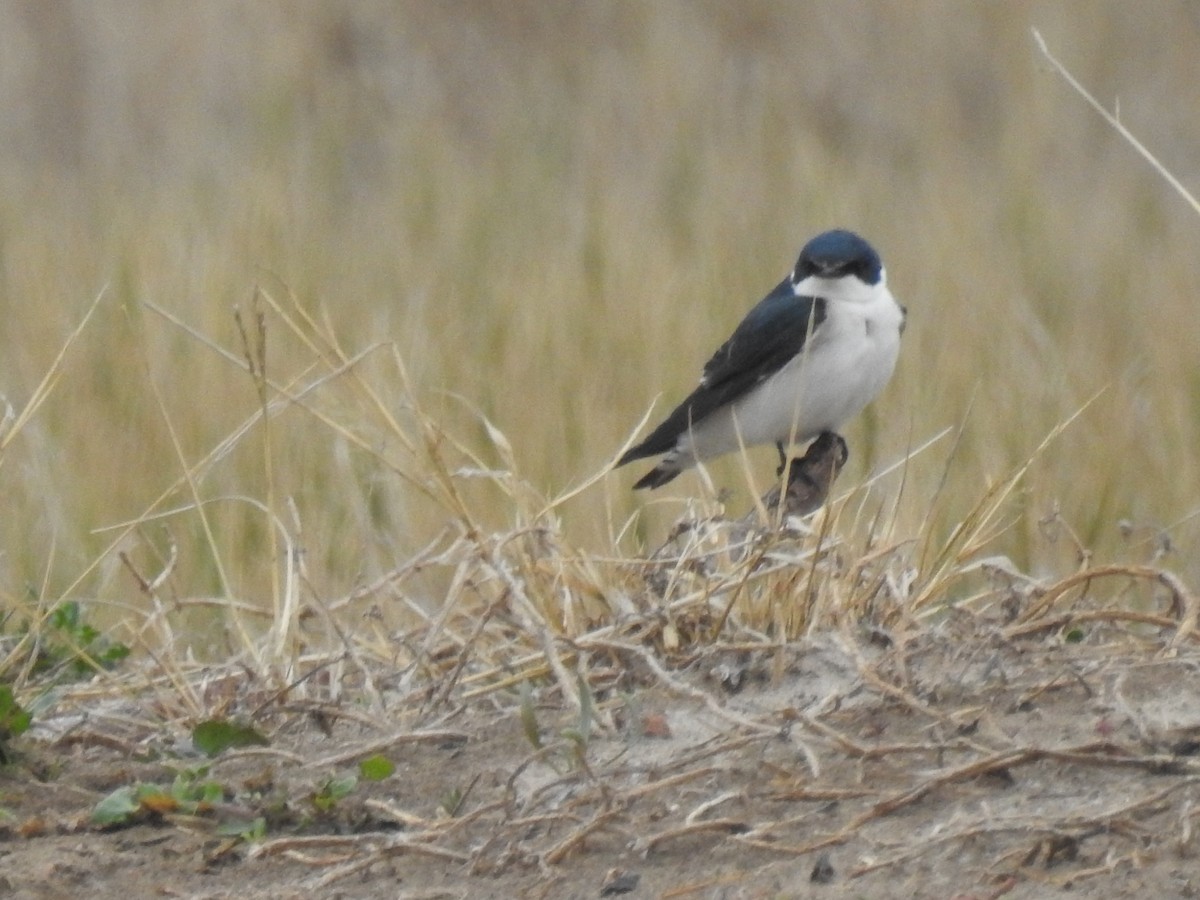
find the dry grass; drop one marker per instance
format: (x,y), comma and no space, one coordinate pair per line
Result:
(385,292)
(323,323)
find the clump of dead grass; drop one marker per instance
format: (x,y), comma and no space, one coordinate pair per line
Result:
(521,603)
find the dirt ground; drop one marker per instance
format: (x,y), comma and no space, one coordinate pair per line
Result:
(966,762)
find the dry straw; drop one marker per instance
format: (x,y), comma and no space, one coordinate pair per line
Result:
(723,600)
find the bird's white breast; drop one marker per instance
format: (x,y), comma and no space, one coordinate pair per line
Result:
(846,363)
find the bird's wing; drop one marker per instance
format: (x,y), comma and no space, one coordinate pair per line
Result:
(770,335)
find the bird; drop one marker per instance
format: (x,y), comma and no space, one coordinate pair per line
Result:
(808,358)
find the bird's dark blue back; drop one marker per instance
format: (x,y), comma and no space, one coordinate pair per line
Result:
(769,336)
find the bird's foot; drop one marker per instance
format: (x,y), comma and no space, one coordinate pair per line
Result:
(811,477)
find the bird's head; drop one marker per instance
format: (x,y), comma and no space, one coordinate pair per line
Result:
(836,255)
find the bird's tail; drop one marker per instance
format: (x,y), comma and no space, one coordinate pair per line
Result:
(633,453)
(658,476)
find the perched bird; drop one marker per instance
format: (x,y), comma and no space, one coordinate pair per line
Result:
(815,351)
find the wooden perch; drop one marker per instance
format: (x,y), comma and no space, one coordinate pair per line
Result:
(696,544)
(810,477)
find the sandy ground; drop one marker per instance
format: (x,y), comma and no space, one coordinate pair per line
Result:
(963,763)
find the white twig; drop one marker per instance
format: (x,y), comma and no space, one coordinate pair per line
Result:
(1115,123)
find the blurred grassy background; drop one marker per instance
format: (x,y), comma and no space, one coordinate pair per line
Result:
(557,211)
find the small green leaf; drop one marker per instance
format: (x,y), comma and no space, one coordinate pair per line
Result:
(192,774)
(250,832)
(65,616)
(1074,636)
(529,723)
(332,791)
(117,807)
(189,790)
(451,801)
(575,736)
(376,768)
(586,709)
(218,735)
(14,719)
(113,655)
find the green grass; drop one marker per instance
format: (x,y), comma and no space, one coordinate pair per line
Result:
(546,219)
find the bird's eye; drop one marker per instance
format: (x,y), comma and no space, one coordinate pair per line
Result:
(864,269)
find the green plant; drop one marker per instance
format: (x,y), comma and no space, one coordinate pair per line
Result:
(190,793)
(14,720)
(69,646)
(252,832)
(214,736)
(376,768)
(332,791)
